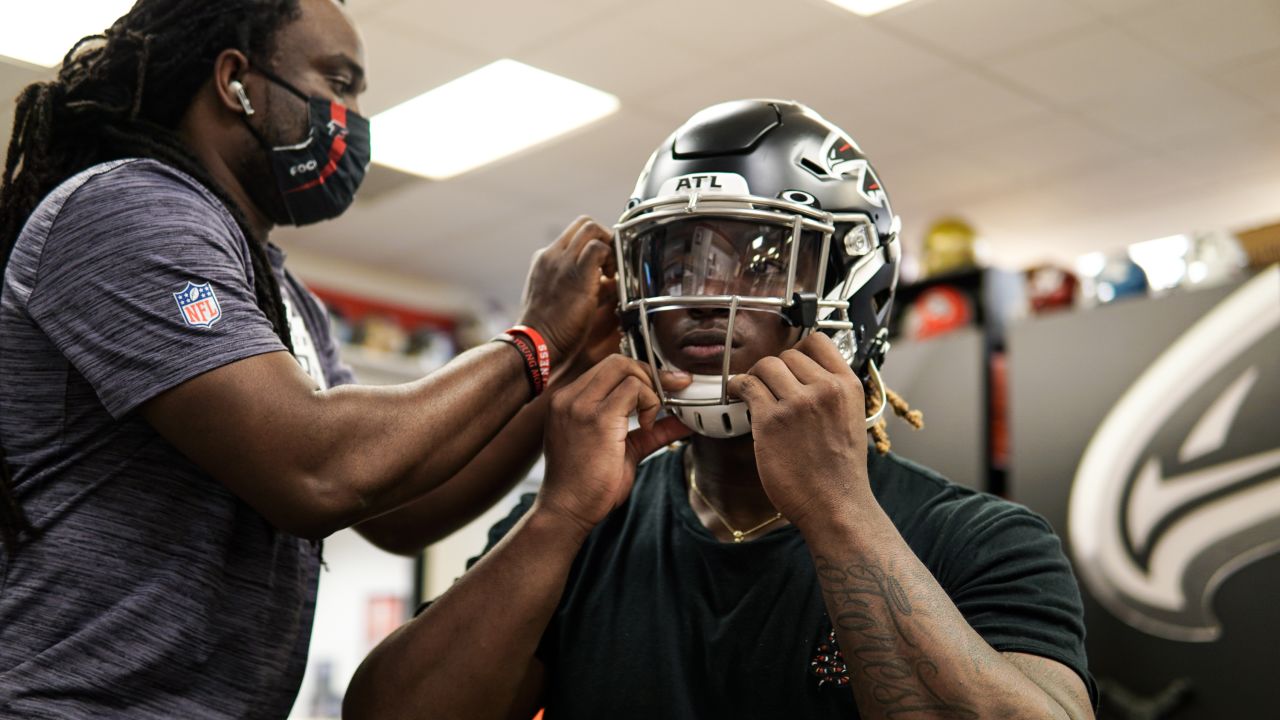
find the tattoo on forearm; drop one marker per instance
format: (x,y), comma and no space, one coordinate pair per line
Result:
(871,604)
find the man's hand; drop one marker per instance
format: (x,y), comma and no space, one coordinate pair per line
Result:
(603,338)
(591,457)
(566,287)
(807,404)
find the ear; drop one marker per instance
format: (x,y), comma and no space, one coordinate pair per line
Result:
(234,87)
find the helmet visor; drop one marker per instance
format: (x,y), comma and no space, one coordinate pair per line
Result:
(702,256)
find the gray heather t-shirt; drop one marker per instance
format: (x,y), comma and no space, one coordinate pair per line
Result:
(152,591)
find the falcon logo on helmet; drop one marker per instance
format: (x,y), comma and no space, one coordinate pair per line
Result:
(749,207)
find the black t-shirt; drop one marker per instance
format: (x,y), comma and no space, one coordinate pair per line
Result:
(660,619)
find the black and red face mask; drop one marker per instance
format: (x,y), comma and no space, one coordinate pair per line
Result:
(318,177)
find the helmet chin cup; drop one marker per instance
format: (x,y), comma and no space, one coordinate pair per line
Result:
(718,421)
(732,419)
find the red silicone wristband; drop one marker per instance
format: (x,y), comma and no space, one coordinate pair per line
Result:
(529,357)
(539,344)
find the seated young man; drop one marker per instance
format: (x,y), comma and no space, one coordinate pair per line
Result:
(773,566)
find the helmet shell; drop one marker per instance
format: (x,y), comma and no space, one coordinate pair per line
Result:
(784,150)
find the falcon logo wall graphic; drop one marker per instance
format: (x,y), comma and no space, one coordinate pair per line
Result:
(1180,485)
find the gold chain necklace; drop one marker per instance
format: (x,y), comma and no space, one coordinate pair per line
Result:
(738,535)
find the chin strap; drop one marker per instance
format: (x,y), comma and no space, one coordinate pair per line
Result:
(720,420)
(874,418)
(732,419)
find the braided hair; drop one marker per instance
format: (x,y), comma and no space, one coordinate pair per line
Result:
(119,95)
(880,431)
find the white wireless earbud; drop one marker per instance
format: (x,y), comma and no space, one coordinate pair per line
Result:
(238,89)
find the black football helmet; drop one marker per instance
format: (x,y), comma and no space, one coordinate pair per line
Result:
(758,205)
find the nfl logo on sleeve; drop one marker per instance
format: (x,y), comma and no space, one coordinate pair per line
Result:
(198,304)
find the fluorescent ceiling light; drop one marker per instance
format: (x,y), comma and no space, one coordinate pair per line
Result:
(868,7)
(46,29)
(486,115)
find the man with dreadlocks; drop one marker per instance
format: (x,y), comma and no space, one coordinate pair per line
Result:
(178,432)
(773,566)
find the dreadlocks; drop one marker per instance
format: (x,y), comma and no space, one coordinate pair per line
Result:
(121,95)
(880,431)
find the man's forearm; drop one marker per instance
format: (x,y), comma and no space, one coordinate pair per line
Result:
(909,651)
(481,483)
(313,461)
(467,654)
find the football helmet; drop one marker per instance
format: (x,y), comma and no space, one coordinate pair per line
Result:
(757,206)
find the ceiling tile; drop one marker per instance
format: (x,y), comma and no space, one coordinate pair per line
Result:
(623,53)
(725,30)
(855,91)
(493,27)
(959,104)
(402,65)
(1208,34)
(956,175)
(1250,150)
(1257,77)
(947,177)
(1115,7)
(1156,114)
(600,162)
(1053,147)
(977,29)
(1098,61)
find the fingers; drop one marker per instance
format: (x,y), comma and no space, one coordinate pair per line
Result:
(824,352)
(632,394)
(836,375)
(600,381)
(566,239)
(608,297)
(586,233)
(601,344)
(595,257)
(673,380)
(806,369)
(592,249)
(643,441)
(647,406)
(751,390)
(782,383)
(604,319)
(610,267)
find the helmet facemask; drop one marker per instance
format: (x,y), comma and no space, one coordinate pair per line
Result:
(722,256)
